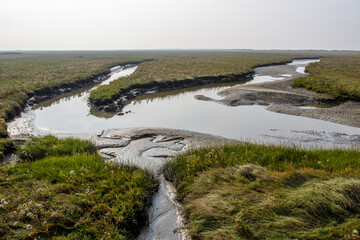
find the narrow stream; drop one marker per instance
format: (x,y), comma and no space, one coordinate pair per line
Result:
(180,110)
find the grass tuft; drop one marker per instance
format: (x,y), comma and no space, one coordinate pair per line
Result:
(3,129)
(7,145)
(252,191)
(37,148)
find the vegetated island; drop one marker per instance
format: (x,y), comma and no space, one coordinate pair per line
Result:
(183,71)
(239,191)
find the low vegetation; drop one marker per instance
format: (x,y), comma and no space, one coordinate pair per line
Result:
(38,148)
(71,194)
(3,129)
(337,75)
(269,192)
(6,144)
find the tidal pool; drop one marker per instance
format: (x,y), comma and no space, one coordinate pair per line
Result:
(180,110)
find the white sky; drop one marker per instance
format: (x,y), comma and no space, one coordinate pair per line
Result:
(179,24)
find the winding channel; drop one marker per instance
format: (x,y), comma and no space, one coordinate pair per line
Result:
(180,110)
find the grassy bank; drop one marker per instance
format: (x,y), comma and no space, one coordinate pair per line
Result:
(191,65)
(337,75)
(267,192)
(22,74)
(67,191)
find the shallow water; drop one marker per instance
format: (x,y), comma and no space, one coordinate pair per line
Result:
(180,110)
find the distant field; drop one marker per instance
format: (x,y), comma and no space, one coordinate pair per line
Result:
(266,192)
(337,75)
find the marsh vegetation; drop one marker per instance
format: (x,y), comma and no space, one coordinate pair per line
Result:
(268,192)
(64,190)
(336,75)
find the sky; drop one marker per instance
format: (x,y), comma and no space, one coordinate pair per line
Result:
(179,24)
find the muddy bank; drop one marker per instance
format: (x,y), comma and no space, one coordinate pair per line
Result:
(122,98)
(347,113)
(150,149)
(272,93)
(283,98)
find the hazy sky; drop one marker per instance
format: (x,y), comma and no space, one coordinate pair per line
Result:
(184,24)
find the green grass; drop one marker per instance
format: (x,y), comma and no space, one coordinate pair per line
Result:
(7,145)
(76,196)
(338,76)
(37,148)
(3,129)
(267,192)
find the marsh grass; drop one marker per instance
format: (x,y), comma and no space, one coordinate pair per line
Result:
(3,129)
(37,148)
(7,145)
(337,75)
(75,196)
(267,192)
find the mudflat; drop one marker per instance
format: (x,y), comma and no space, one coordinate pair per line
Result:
(282,97)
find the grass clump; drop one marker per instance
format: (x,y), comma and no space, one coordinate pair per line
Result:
(75,196)
(337,75)
(37,148)
(266,192)
(7,145)
(3,129)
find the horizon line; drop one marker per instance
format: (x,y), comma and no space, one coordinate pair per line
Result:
(179,49)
